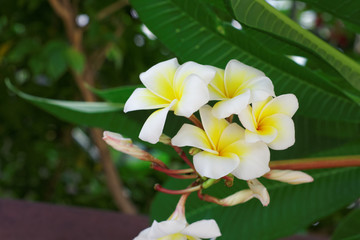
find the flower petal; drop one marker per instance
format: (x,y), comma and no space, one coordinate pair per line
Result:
(237,74)
(164,228)
(247,119)
(195,95)
(143,98)
(217,86)
(251,137)
(212,126)
(231,134)
(267,134)
(206,73)
(254,160)
(235,105)
(154,125)
(257,108)
(261,88)
(286,104)
(189,135)
(214,166)
(203,229)
(159,79)
(285,131)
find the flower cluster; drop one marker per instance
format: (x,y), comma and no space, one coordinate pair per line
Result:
(240,119)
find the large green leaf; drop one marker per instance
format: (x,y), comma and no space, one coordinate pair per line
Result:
(260,15)
(194,33)
(348,228)
(108,116)
(291,207)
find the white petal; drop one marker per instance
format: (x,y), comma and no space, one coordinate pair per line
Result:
(247,119)
(251,137)
(254,161)
(267,134)
(160,77)
(143,235)
(285,131)
(260,191)
(165,228)
(231,134)
(143,98)
(195,95)
(154,125)
(217,86)
(237,74)
(213,127)
(235,105)
(206,73)
(202,229)
(261,88)
(286,104)
(214,166)
(189,135)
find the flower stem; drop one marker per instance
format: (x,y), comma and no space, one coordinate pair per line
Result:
(183,156)
(172,171)
(314,163)
(196,121)
(159,188)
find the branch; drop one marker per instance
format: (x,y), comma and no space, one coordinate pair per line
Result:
(114,7)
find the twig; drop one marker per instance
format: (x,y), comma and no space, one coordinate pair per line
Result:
(67,12)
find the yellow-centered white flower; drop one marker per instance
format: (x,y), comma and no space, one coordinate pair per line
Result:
(177,228)
(169,86)
(238,86)
(270,121)
(224,149)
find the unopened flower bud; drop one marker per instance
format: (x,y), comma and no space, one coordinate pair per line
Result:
(289,176)
(165,139)
(125,145)
(194,151)
(237,198)
(260,191)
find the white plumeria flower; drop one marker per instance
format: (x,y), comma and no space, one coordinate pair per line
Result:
(238,86)
(177,228)
(270,121)
(224,149)
(182,89)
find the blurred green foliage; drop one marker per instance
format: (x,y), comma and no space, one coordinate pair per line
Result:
(45,159)
(40,159)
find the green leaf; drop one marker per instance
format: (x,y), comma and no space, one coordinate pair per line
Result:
(194,33)
(75,59)
(348,227)
(108,116)
(116,95)
(260,15)
(291,208)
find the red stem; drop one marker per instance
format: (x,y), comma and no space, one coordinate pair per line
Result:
(183,156)
(159,188)
(196,121)
(172,171)
(314,163)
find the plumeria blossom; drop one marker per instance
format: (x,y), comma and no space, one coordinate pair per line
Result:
(177,228)
(169,86)
(270,121)
(224,149)
(236,87)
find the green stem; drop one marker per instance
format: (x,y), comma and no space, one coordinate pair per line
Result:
(314,163)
